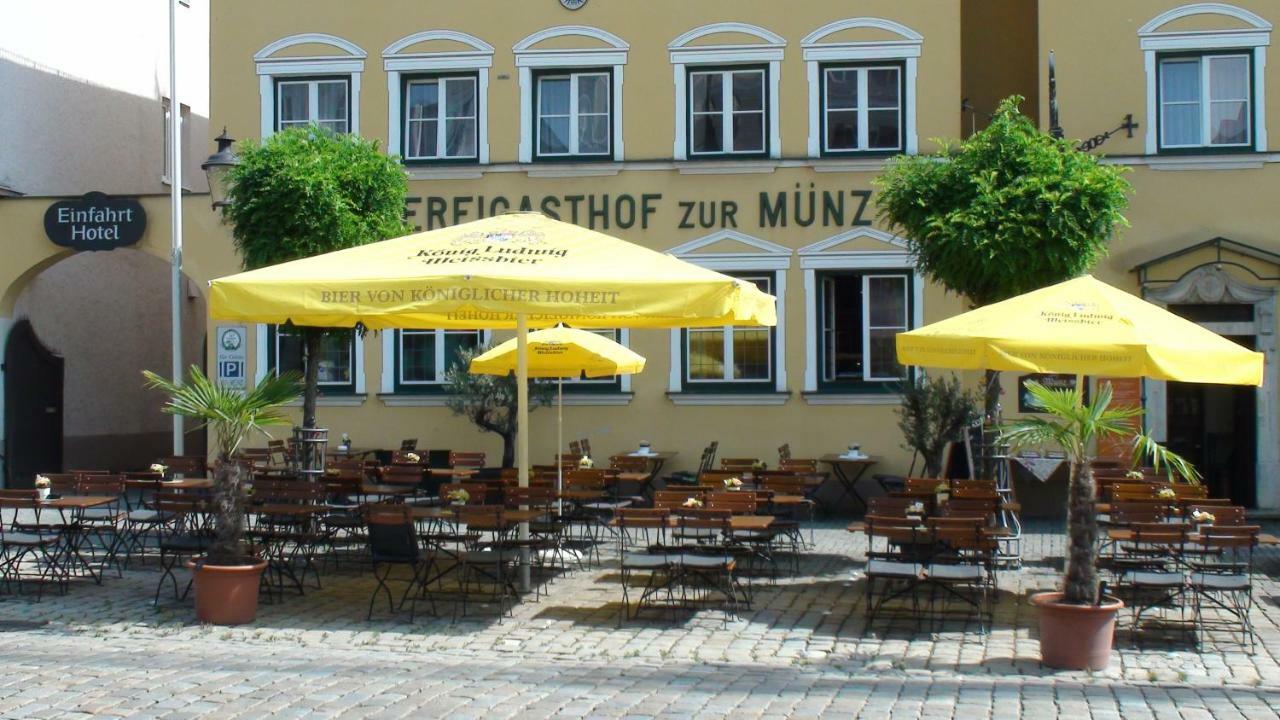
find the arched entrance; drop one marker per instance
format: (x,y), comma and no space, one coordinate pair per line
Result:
(33,407)
(106,315)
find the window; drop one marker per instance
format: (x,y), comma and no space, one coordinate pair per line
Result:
(860,314)
(424,356)
(727,114)
(1205,101)
(337,361)
(440,118)
(323,101)
(573,114)
(731,356)
(862,109)
(612,383)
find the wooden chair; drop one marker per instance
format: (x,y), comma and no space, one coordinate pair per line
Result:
(674,498)
(799,465)
(738,465)
(186,465)
(715,480)
(642,534)
(466,460)
(393,541)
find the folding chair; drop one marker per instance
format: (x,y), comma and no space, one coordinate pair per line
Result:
(393,541)
(1222,584)
(40,544)
(642,534)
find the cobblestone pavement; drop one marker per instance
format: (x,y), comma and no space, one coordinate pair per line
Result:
(802,651)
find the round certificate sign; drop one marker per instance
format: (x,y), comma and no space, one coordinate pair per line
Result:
(573,4)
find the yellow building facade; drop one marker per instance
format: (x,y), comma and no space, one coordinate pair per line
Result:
(745,137)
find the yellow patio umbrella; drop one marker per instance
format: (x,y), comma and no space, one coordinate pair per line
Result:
(1081,326)
(561,352)
(513,270)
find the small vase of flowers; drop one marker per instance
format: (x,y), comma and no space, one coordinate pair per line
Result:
(693,503)
(412,457)
(458,496)
(160,469)
(43,485)
(733,483)
(586,463)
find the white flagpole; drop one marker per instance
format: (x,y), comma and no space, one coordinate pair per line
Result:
(175,214)
(522,432)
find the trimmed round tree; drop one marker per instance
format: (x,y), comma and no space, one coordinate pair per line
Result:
(1004,212)
(307,191)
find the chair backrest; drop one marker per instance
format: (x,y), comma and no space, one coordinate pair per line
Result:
(19,499)
(922,485)
(887,506)
(799,465)
(62,483)
(1124,514)
(1222,514)
(345,470)
(1229,536)
(402,457)
(960,484)
(975,494)
(784,452)
(965,534)
(575,447)
(715,480)
(741,502)
(535,498)
(402,474)
(466,459)
(585,478)
(409,444)
(703,519)
(186,465)
(894,531)
(783,484)
(392,535)
(635,518)
(738,464)
(628,463)
(100,485)
(481,517)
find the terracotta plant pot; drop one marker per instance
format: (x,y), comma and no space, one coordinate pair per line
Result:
(226,594)
(1075,637)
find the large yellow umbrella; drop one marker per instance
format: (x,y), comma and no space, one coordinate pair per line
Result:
(1081,326)
(508,271)
(561,352)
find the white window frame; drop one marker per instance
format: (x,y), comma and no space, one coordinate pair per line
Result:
(478,59)
(442,117)
(1253,40)
(392,370)
(529,58)
(867,327)
(758,257)
(685,56)
(727,339)
(622,336)
(863,109)
(573,115)
(441,362)
(727,112)
(271,68)
(313,100)
(847,251)
(1205,101)
(262,364)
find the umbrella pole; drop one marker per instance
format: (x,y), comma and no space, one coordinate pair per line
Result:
(522,433)
(559,443)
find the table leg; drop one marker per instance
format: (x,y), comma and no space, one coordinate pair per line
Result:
(848,484)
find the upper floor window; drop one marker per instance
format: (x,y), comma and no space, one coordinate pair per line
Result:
(728,111)
(1205,65)
(323,101)
(440,117)
(316,81)
(862,92)
(573,111)
(861,108)
(1205,101)
(571,94)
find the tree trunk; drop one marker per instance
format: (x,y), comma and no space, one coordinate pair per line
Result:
(311,358)
(509,450)
(1081,586)
(990,415)
(228,501)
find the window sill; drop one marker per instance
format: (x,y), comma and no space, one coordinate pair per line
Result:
(414,400)
(562,169)
(817,398)
(726,166)
(596,399)
(1225,161)
(709,398)
(427,172)
(333,401)
(850,164)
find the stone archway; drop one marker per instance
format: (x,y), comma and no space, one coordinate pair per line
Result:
(1213,285)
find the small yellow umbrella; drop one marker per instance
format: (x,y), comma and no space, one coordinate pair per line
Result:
(561,352)
(1081,326)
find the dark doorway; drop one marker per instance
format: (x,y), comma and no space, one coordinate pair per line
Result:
(1216,428)
(32,407)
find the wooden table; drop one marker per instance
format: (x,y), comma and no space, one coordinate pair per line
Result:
(848,471)
(657,459)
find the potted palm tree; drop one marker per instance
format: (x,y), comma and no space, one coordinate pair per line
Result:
(1077,624)
(226,578)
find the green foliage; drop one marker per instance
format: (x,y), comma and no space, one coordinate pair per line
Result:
(307,191)
(489,401)
(1006,211)
(934,412)
(232,415)
(1074,427)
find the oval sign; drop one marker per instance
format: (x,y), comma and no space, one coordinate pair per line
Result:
(95,222)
